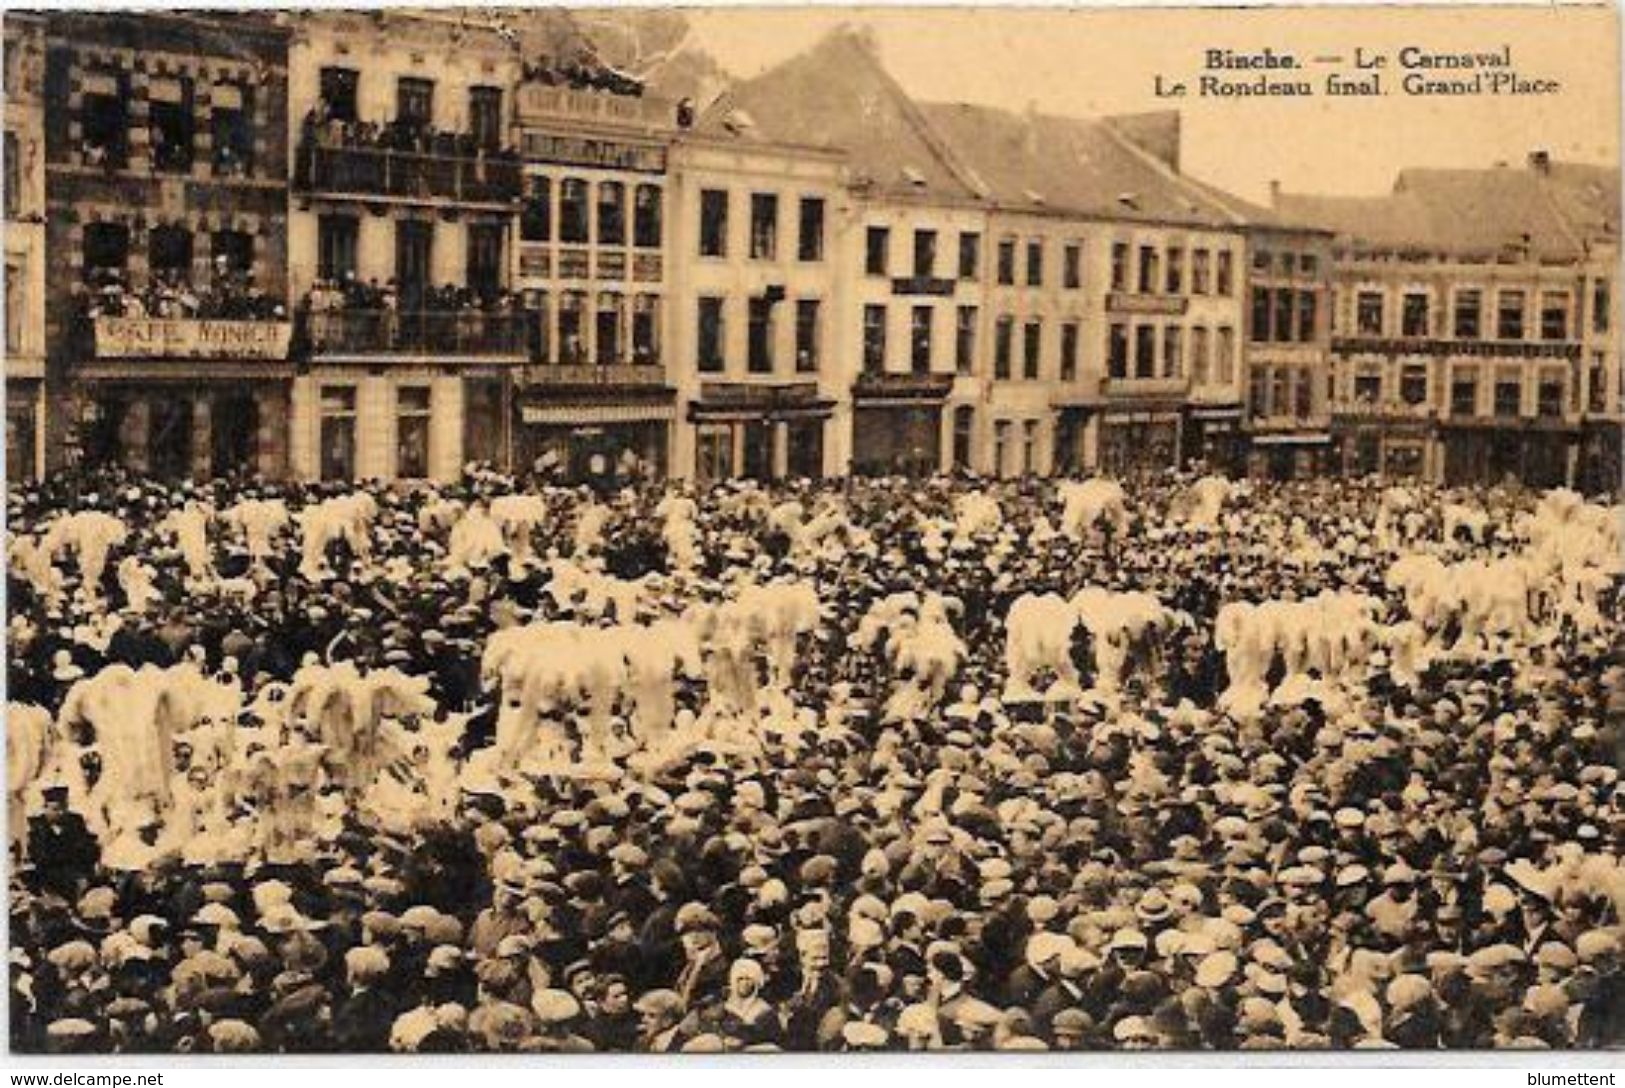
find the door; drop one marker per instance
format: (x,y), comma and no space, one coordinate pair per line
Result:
(234,425)
(169,437)
(759,450)
(414,245)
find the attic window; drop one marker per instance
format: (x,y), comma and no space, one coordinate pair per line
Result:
(738,121)
(914,176)
(1033,195)
(1129,200)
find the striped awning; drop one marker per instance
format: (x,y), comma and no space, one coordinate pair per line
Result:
(575,415)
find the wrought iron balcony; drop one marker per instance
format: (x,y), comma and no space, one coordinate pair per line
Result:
(433,332)
(407,176)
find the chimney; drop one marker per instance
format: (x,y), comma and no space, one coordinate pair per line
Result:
(1275,192)
(1540,161)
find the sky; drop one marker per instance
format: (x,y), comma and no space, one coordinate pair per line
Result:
(1105,60)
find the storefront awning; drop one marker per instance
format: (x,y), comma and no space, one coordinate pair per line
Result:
(575,415)
(1318,438)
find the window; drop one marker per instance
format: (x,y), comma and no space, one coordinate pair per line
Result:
(231,127)
(1172,351)
(759,349)
(171,123)
(1368,313)
(1463,397)
(764,226)
(1001,446)
(1367,388)
(338,432)
(104,119)
(965,340)
(1004,331)
(1007,261)
(1072,266)
(646,226)
(874,338)
(1145,351)
(572,333)
(1307,264)
(169,253)
(107,249)
(1304,394)
(338,91)
(1224,346)
(710,349)
(1258,391)
(713,223)
(1148,270)
(1226,281)
(1035,263)
(16,303)
(1549,398)
(412,432)
(1509,315)
(485,264)
(1029,446)
(414,102)
(1508,397)
(607,343)
(1413,385)
(919,340)
(536,213)
(1262,258)
(970,254)
(646,330)
(1176,270)
(1199,272)
(573,226)
(1032,346)
(1306,315)
(1119,266)
(1413,317)
(964,428)
(925,254)
(877,251)
(1554,315)
(485,117)
(1282,333)
(807,336)
(1280,393)
(715,452)
(1069,351)
(1598,384)
(1468,314)
(1600,306)
(336,240)
(611,213)
(1260,331)
(1117,352)
(1199,355)
(231,252)
(14,176)
(810,240)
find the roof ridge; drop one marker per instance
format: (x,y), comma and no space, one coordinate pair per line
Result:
(934,140)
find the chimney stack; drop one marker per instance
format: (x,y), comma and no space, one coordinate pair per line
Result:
(1540,161)
(1275,192)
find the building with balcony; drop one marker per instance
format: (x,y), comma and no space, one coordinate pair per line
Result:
(405,187)
(597,401)
(24,195)
(166,165)
(1472,324)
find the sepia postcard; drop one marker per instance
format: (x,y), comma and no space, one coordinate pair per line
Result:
(711,530)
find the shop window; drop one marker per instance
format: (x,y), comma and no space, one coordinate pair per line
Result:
(536,211)
(876,251)
(759,356)
(1119,266)
(414,102)
(485,117)
(919,341)
(611,213)
(1554,315)
(807,314)
(713,223)
(1007,261)
(338,90)
(338,432)
(1035,263)
(970,255)
(607,341)
(925,254)
(715,452)
(573,214)
(106,249)
(710,343)
(104,119)
(1468,314)
(1368,313)
(965,340)
(1117,352)
(485,263)
(1003,335)
(572,334)
(412,433)
(1509,315)
(231,123)
(874,339)
(1176,270)
(646,215)
(1069,351)
(646,330)
(764,226)
(810,229)
(337,238)
(1413,317)
(1172,351)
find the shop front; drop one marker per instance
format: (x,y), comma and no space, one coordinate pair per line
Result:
(759,432)
(1289,455)
(1600,468)
(897,424)
(1213,438)
(25,427)
(599,444)
(1482,453)
(1136,444)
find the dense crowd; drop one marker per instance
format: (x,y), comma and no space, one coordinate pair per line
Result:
(325,127)
(796,835)
(350,292)
(230,295)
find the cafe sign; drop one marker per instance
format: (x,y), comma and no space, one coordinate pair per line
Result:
(168,338)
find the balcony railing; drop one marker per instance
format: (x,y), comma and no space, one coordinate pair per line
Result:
(405,175)
(625,375)
(1512,349)
(454,332)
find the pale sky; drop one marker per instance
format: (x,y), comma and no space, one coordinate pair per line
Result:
(1104,61)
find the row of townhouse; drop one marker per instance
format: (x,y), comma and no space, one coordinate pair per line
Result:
(379,245)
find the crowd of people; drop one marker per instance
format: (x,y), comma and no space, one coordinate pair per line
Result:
(350,292)
(767,783)
(230,295)
(323,126)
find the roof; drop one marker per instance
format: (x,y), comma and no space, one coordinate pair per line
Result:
(1552,209)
